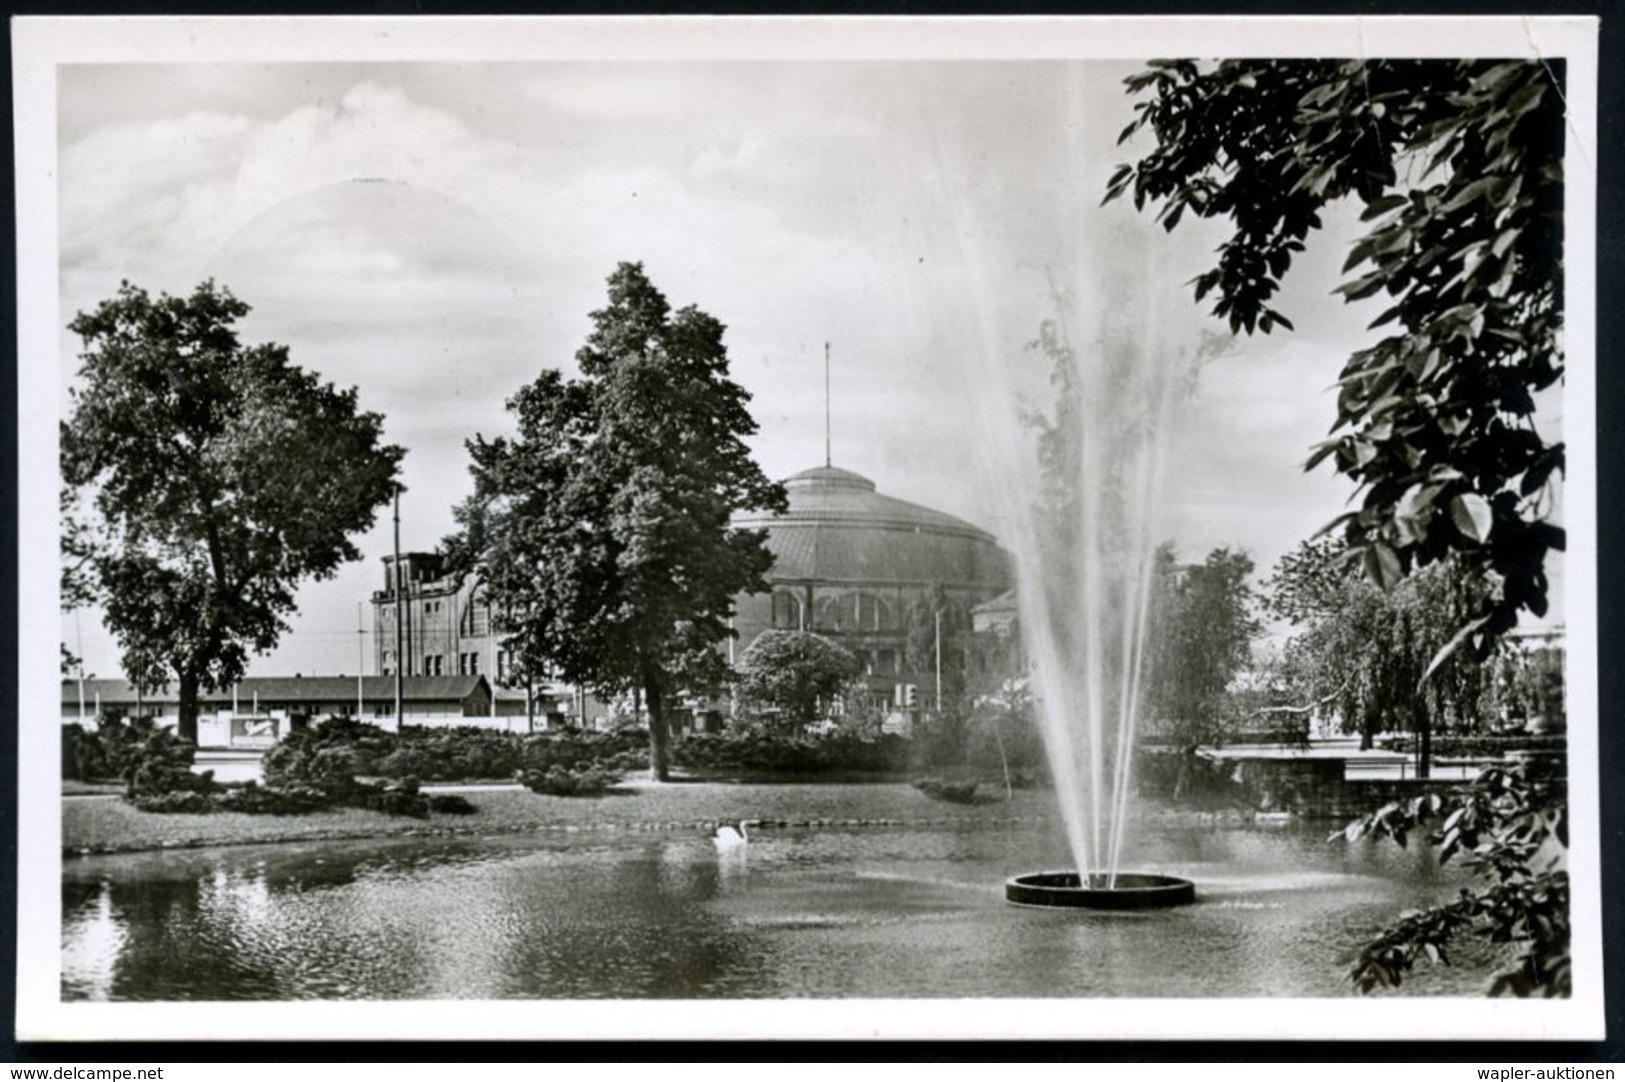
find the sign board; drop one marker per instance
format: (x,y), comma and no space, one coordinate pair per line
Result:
(251,732)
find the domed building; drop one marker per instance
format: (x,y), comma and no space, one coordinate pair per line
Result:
(863,568)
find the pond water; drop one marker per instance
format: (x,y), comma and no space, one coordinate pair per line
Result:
(827,912)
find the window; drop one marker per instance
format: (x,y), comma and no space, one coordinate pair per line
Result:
(504,666)
(786,609)
(873,613)
(434,665)
(854,612)
(468,664)
(476,617)
(886,664)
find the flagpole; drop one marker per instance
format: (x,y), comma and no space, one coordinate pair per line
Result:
(826,405)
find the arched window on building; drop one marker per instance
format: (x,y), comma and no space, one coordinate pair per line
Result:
(830,615)
(855,611)
(872,613)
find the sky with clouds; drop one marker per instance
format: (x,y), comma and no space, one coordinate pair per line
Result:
(435,234)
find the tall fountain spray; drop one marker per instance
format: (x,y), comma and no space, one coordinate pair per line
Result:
(1085,535)
(1071,441)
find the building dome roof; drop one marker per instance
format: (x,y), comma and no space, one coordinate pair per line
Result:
(839,529)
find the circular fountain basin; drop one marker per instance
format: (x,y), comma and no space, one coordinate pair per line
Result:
(1129,890)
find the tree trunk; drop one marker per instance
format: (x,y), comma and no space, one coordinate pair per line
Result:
(659,734)
(187,728)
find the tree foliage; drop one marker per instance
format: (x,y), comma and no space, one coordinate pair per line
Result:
(1458,168)
(1201,632)
(935,626)
(602,529)
(1510,828)
(794,673)
(203,480)
(1364,651)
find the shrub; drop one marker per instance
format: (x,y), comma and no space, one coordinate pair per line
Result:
(106,751)
(163,764)
(464,753)
(576,751)
(954,792)
(254,800)
(82,758)
(391,801)
(450,804)
(756,750)
(557,780)
(182,801)
(325,757)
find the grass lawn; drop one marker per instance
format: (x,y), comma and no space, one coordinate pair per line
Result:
(107,824)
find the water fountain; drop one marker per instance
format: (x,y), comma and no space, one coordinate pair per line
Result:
(1122,890)
(1085,541)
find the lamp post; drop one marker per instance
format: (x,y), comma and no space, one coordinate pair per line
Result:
(395,582)
(937,620)
(360,663)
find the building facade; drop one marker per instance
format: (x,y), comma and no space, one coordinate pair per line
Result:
(875,573)
(446,627)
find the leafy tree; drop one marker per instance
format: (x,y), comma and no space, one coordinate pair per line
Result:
(931,621)
(1527,686)
(1364,650)
(603,528)
(794,673)
(1201,635)
(203,480)
(1458,167)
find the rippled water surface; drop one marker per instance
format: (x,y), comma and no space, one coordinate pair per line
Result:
(870,912)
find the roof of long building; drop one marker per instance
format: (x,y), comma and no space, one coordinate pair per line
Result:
(286,689)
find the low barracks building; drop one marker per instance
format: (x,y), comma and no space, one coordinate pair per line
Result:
(292,700)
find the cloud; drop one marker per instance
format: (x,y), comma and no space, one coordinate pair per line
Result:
(436,237)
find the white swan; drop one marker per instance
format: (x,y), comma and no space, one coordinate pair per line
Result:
(730,839)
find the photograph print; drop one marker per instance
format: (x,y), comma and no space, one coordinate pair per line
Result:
(818,527)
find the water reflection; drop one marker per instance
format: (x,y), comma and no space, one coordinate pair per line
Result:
(811,913)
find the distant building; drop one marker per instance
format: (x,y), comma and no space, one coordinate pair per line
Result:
(863,568)
(849,563)
(446,627)
(295,700)
(447,630)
